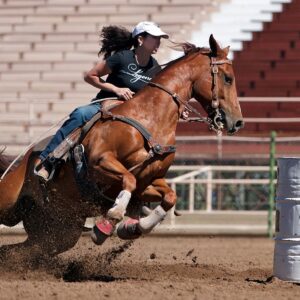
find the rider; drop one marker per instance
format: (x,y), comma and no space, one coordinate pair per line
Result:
(129,64)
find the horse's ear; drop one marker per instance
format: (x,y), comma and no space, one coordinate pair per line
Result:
(214,46)
(226,50)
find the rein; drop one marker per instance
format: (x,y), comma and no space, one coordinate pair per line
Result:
(215,70)
(178,101)
(214,124)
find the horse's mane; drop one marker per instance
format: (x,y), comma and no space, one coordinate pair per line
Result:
(188,49)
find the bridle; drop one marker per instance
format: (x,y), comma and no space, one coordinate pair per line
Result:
(215,123)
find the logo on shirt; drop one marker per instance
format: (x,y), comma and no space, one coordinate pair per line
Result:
(136,74)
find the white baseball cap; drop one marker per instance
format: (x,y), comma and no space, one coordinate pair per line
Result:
(150,28)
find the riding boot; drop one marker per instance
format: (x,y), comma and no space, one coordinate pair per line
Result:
(42,169)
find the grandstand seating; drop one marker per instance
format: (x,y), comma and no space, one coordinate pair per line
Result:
(236,21)
(46,45)
(267,65)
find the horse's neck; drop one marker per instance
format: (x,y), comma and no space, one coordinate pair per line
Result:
(155,108)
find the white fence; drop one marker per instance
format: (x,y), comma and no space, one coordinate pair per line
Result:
(190,178)
(216,221)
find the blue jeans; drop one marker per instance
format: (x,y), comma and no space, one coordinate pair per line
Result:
(77,118)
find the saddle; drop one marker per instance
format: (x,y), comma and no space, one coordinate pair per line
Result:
(73,140)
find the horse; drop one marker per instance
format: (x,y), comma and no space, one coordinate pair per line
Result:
(128,151)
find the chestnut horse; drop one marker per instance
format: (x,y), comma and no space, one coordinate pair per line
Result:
(120,157)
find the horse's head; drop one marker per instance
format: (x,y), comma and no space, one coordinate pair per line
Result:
(214,87)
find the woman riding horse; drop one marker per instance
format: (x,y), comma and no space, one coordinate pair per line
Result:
(128,154)
(129,71)
(110,164)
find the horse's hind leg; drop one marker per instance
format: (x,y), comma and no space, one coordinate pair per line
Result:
(159,191)
(50,231)
(55,240)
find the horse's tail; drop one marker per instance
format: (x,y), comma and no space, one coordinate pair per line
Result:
(4,162)
(12,183)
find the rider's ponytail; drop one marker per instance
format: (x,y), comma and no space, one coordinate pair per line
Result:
(114,39)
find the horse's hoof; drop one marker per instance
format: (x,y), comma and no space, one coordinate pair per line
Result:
(101,231)
(98,237)
(129,230)
(116,213)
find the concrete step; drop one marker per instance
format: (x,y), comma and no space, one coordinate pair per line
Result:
(45,96)
(53,46)
(15,47)
(19,37)
(14,86)
(20,76)
(131,20)
(40,86)
(33,28)
(11,20)
(62,76)
(23,3)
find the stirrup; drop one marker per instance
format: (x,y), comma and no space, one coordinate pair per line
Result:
(48,163)
(40,176)
(78,155)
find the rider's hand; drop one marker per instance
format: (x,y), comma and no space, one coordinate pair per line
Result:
(124,93)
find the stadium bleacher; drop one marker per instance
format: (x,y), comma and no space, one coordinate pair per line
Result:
(46,45)
(275,53)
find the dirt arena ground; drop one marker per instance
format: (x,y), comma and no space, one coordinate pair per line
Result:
(150,268)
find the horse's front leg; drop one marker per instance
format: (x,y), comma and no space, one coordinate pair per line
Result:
(158,191)
(111,171)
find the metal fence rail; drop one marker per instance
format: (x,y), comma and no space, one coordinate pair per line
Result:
(192,173)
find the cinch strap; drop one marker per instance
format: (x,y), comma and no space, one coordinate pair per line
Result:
(154,146)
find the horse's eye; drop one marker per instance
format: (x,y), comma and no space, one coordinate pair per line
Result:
(227,79)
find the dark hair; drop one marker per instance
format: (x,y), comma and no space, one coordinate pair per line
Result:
(116,38)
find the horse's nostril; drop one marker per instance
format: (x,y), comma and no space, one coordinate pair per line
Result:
(239,124)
